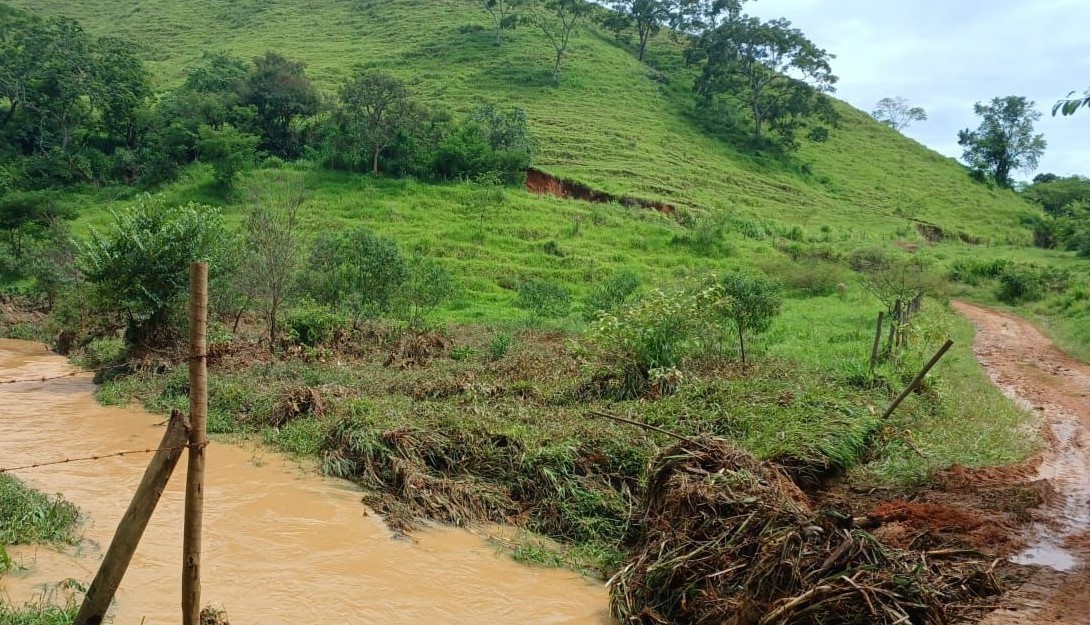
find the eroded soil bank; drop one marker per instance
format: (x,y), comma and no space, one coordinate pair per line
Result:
(1033,371)
(281,545)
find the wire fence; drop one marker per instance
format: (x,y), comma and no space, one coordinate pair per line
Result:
(116,454)
(72,374)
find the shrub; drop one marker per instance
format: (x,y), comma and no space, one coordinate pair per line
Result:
(429,284)
(229,151)
(104,352)
(656,332)
(1025,282)
(870,259)
(972,272)
(613,294)
(544,299)
(811,280)
(139,268)
(356,270)
(499,346)
(312,324)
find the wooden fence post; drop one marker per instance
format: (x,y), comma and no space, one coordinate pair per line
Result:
(877,342)
(198,413)
(916,380)
(131,528)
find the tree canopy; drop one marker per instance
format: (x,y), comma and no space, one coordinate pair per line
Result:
(897,114)
(777,75)
(1005,141)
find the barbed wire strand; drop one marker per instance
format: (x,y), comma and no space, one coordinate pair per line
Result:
(117,454)
(72,374)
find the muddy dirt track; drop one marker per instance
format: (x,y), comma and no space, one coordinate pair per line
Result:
(1033,371)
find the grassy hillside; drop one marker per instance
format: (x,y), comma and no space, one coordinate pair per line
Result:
(612,122)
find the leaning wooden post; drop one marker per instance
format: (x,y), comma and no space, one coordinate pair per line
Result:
(131,528)
(916,380)
(198,413)
(877,342)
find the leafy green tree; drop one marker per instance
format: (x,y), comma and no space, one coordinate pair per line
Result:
(504,14)
(374,108)
(771,69)
(229,151)
(1058,194)
(1072,103)
(1004,142)
(28,215)
(139,267)
(280,92)
(557,20)
(897,114)
(643,17)
(356,270)
(751,302)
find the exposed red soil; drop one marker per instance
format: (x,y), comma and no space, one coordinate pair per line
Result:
(543,183)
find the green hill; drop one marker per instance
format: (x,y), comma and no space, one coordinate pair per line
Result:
(612,123)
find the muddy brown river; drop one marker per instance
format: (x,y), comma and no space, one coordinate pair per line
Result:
(281,545)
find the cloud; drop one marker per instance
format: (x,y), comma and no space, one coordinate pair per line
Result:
(945,55)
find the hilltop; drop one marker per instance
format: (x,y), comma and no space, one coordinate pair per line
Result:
(613,123)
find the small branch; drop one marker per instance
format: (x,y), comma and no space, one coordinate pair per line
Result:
(639,424)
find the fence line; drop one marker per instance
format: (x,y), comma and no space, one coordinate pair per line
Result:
(117,454)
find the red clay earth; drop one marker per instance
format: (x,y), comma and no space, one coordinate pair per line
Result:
(543,183)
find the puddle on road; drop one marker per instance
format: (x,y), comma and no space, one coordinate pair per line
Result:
(281,546)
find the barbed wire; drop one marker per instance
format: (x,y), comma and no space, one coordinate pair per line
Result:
(117,454)
(72,374)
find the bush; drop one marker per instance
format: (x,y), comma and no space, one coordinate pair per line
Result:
(973,272)
(656,332)
(139,268)
(817,279)
(613,294)
(429,285)
(499,346)
(544,299)
(356,270)
(1025,282)
(312,324)
(229,151)
(104,352)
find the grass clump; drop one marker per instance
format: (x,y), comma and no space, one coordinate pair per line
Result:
(28,516)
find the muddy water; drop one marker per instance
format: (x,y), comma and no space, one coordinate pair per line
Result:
(281,545)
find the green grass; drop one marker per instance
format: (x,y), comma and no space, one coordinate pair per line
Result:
(41,612)
(28,516)
(609,123)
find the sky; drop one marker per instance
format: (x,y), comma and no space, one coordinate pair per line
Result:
(946,55)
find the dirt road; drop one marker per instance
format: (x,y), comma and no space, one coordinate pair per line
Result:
(1029,368)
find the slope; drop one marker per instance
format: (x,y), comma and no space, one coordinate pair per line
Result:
(613,122)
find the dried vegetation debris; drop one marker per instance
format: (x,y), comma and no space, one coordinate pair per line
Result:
(723,538)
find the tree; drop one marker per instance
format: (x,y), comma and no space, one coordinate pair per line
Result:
(274,248)
(897,114)
(557,19)
(139,268)
(1004,142)
(645,17)
(229,151)
(1070,104)
(374,108)
(776,73)
(694,17)
(429,284)
(750,302)
(504,14)
(280,91)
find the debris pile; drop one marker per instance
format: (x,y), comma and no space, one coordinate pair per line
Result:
(723,538)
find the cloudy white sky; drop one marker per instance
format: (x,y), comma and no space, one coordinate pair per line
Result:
(945,55)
